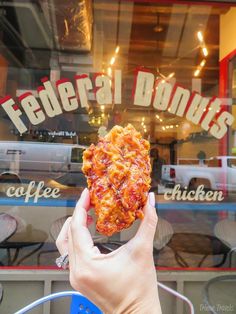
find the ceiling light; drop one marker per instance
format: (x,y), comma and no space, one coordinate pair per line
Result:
(200,36)
(143,118)
(109,71)
(197,72)
(171,75)
(102,107)
(117,50)
(113,59)
(157,116)
(158,28)
(163,128)
(161,120)
(205,51)
(203,62)
(66,27)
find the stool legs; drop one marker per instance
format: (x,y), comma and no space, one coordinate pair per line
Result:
(231,253)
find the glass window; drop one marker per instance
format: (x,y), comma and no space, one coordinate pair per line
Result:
(232,162)
(77,155)
(82,67)
(214,162)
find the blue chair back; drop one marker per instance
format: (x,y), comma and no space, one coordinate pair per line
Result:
(81,305)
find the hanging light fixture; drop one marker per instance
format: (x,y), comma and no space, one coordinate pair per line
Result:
(158,28)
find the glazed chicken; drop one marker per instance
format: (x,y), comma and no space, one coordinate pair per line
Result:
(118,176)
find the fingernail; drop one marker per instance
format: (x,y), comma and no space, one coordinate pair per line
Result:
(81,198)
(152,200)
(83,193)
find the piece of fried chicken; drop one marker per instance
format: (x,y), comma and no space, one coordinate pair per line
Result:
(118,175)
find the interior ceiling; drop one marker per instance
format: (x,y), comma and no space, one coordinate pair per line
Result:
(175,48)
(131,25)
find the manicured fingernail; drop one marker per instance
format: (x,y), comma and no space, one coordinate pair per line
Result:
(82,195)
(152,200)
(84,192)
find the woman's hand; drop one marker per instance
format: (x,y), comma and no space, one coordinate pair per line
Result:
(123,281)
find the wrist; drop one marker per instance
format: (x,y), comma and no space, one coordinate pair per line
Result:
(151,307)
(140,306)
(145,303)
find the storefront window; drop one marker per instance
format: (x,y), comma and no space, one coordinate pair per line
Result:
(70,71)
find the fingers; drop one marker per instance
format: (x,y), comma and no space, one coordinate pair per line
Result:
(148,225)
(62,239)
(80,235)
(145,234)
(84,200)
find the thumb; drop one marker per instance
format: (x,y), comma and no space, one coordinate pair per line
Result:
(145,234)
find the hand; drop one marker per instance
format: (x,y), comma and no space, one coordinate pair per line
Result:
(123,281)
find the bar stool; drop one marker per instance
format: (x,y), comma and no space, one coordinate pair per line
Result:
(1,293)
(8,226)
(225,230)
